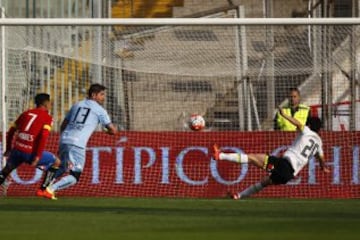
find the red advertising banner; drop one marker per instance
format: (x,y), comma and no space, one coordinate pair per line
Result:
(179,164)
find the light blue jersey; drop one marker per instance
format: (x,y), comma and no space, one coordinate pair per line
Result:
(83,118)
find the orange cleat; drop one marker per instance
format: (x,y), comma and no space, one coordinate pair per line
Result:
(40,193)
(47,193)
(216,152)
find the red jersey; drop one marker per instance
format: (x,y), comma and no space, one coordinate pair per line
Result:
(33,127)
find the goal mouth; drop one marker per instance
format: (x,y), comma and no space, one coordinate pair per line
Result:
(234,72)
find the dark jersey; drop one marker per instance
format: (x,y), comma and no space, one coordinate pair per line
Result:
(33,127)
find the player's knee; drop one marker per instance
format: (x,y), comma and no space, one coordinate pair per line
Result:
(76,175)
(266,181)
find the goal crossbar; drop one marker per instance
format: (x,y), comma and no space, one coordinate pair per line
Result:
(160,72)
(175,21)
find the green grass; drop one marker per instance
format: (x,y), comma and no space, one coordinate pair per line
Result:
(156,218)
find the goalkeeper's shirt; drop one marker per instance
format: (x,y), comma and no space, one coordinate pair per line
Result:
(83,118)
(305,146)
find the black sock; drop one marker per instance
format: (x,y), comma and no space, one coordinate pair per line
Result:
(2,178)
(49,176)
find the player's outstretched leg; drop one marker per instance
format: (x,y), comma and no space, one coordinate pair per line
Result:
(216,152)
(49,177)
(255,188)
(5,172)
(52,164)
(218,155)
(64,182)
(233,195)
(236,196)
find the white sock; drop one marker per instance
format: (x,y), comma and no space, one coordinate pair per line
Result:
(257,187)
(64,182)
(234,157)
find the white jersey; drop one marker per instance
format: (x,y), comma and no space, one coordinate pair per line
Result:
(306,145)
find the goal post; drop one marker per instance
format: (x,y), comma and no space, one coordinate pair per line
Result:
(175,21)
(233,71)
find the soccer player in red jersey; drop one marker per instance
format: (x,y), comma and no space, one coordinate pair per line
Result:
(26,140)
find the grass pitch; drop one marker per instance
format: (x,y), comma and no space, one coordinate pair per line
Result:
(188,219)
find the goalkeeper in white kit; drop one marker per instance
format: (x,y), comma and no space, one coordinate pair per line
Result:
(306,145)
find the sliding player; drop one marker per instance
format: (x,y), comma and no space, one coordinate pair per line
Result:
(307,144)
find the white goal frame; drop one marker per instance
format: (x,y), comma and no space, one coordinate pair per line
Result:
(13,22)
(161,22)
(175,21)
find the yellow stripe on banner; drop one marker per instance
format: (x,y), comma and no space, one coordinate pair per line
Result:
(266,162)
(48,127)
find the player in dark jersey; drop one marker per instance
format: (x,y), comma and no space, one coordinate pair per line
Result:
(26,139)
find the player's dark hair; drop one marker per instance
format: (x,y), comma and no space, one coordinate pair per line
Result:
(314,123)
(95,88)
(41,98)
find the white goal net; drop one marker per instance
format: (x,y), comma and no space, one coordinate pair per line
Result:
(234,75)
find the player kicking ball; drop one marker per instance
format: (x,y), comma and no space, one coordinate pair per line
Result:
(306,145)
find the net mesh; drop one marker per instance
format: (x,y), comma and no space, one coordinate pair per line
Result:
(195,67)
(234,76)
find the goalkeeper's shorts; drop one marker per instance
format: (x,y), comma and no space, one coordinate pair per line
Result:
(280,170)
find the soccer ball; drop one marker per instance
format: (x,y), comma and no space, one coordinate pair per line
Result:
(197,122)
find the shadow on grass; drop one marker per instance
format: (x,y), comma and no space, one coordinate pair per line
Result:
(247,209)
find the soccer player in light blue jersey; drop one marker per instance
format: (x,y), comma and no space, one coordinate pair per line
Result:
(76,129)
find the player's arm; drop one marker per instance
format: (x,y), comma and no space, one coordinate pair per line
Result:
(67,118)
(63,125)
(294,121)
(105,121)
(277,122)
(321,160)
(110,129)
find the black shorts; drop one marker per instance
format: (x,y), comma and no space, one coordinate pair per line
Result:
(280,169)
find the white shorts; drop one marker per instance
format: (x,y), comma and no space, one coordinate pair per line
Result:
(74,156)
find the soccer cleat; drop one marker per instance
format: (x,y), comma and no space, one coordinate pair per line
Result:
(47,193)
(235,196)
(216,152)
(40,193)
